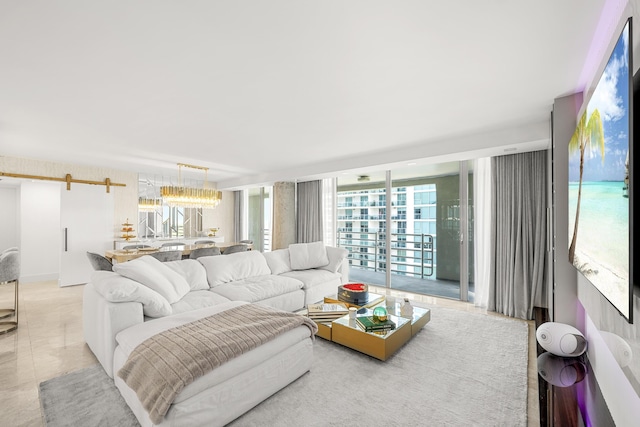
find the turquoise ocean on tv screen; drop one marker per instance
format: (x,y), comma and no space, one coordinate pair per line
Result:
(603,226)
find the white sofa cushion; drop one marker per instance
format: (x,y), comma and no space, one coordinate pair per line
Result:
(155,275)
(232,267)
(336,256)
(192,271)
(258,288)
(307,255)
(313,277)
(116,288)
(128,339)
(278,261)
(195,300)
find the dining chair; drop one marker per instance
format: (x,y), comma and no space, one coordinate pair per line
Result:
(205,242)
(135,246)
(10,272)
(99,262)
(12,249)
(248,242)
(173,244)
(165,256)
(234,248)
(200,252)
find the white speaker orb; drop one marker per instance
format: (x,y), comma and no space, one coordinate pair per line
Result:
(561,339)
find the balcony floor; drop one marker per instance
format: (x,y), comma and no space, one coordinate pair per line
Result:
(440,288)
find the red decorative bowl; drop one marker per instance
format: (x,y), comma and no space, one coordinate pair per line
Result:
(361,287)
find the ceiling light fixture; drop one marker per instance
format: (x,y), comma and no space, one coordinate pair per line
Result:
(148,205)
(191,197)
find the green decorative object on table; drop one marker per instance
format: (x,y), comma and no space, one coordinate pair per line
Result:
(380,314)
(369,325)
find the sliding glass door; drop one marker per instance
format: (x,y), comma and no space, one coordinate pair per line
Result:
(361,221)
(426,211)
(426,229)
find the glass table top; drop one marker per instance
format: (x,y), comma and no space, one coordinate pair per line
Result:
(351,323)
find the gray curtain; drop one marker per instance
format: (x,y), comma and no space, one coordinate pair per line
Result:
(309,212)
(238,232)
(519,233)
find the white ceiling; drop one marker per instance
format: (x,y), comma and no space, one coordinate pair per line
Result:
(261,91)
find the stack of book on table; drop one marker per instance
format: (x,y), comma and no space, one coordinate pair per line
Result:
(326,312)
(369,325)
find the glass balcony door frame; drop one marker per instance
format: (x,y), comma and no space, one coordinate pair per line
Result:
(257,216)
(464,231)
(464,247)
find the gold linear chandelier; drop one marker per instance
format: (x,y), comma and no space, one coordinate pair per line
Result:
(191,197)
(148,205)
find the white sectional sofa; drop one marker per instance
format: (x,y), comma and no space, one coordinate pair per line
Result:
(144,297)
(145,289)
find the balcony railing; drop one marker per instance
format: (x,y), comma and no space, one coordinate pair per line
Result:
(407,251)
(360,217)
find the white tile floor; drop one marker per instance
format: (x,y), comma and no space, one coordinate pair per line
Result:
(49,343)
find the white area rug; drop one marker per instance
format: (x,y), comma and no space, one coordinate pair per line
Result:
(462,369)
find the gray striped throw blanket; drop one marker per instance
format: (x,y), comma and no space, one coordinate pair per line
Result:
(161,366)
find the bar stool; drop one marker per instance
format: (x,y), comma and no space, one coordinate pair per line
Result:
(10,272)
(234,248)
(204,242)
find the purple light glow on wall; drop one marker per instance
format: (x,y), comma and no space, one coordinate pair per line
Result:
(604,33)
(580,396)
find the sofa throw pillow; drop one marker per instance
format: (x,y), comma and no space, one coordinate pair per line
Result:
(155,275)
(278,261)
(336,256)
(304,256)
(192,271)
(116,288)
(232,267)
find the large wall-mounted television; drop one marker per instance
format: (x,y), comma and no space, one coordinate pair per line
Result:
(601,184)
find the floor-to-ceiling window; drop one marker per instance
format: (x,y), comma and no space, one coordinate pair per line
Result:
(361,224)
(258,213)
(426,250)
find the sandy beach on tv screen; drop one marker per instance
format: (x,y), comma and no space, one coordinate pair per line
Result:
(612,283)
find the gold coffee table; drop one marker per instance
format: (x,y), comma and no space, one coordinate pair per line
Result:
(380,345)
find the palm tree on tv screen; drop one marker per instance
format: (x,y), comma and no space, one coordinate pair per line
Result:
(588,136)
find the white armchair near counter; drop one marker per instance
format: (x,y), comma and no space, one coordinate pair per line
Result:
(10,273)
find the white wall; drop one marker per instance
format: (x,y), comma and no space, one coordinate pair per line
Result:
(580,302)
(8,217)
(617,383)
(38,207)
(563,297)
(221,217)
(31,212)
(125,198)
